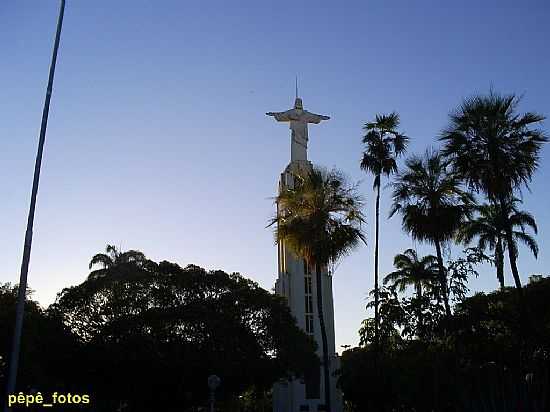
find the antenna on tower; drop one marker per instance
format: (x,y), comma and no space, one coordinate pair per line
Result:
(296,86)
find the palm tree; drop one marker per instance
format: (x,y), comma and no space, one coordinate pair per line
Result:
(383,144)
(496,151)
(413,271)
(489,228)
(320,220)
(429,197)
(112,258)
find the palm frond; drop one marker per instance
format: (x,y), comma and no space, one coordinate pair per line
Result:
(523,219)
(383,145)
(430,198)
(528,241)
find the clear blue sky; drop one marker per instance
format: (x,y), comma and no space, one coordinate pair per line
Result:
(158,138)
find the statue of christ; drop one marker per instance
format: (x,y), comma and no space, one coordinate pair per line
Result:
(298,119)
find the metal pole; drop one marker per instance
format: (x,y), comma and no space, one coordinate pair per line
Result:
(14,358)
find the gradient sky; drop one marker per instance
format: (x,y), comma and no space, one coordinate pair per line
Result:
(158,139)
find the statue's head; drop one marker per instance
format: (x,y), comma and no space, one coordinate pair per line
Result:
(298,104)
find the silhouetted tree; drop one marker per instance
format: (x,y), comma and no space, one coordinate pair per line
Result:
(392,317)
(496,150)
(489,228)
(153,333)
(429,197)
(383,145)
(48,349)
(416,272)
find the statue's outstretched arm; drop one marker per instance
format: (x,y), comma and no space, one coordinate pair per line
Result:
(315,118)
(281,116)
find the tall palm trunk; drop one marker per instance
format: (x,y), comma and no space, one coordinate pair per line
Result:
(420,325)
(442,278)
(499,261)
(525,324)
(512,253)
(324,339)
(376,291)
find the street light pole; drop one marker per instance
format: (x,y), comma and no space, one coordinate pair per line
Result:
(21,296)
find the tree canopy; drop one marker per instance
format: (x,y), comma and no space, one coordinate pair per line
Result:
(147,335)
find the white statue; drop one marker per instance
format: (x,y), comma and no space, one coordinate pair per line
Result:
(298,119)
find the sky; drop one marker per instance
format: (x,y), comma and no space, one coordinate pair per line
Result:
(158,141)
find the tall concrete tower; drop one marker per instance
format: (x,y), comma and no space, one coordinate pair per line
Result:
(297,284)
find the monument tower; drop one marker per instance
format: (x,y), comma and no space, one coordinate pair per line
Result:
(297,284)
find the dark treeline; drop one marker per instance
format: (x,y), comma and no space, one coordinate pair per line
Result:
(141,336)
(476,360)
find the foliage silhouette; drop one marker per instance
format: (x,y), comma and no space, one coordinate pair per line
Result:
(496,151)
(421,273)
(147,335)
(489,227)
(433,205)
(476,362)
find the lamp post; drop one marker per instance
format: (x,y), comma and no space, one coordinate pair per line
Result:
(21,296)
(213,383)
